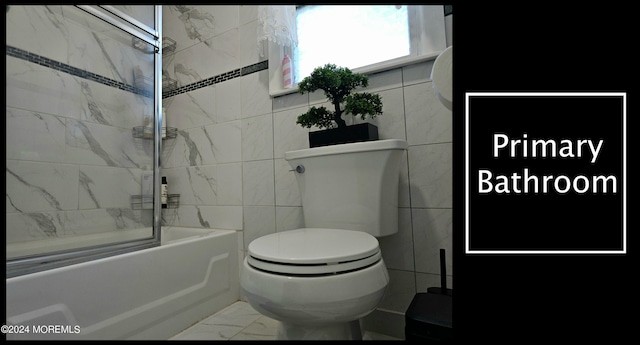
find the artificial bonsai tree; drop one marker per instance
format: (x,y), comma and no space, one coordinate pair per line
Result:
(338,84)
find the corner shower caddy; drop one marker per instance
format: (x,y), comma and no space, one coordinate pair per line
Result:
(145,201)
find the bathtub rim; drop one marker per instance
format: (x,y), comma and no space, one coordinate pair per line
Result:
(38,263)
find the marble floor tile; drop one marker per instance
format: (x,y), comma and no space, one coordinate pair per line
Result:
(240,321)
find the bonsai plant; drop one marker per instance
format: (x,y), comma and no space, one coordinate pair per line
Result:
(338,84)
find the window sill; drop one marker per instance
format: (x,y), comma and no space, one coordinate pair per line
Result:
(375,68)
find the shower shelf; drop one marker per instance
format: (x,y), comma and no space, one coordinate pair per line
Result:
(140,202)
(142,132)
(168,84)
(168,45)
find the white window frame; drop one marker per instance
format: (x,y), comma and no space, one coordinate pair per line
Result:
(427,39)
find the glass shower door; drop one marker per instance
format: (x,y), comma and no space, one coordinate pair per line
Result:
(82,107)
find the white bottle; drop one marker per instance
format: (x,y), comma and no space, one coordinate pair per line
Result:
(147,188)
(164,123)
(287,72)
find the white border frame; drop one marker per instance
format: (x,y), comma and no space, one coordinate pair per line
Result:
(623,95)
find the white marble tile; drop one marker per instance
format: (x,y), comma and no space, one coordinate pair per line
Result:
(428,121)
(195,147)
(248,13)
(36,187)
(391,123)
(41,225)
(247,46)
(404,188)
(67,35)
(264,328)
(254,96)
(229,184)
(184,65)
(430,174)
(188,25)
(400,291)
(417,73)
(397,249)
(432,231)
(35,136)
(384,80)
(226,141)
(237,314)
(289,218)
(224,54)
(287,134)
(107,187)
(85,222)
(196,185)
(226,17)
(94,144)
(258,221)
(286,185)
(257,137)
(227,100)
(39,30)
(217,143)
(195,63)
(34,226)
(208,332)
(39,89)
(240,321)
(222,217)
(192,109)
(258,183)
(110,106)
(177,152)
(290,101)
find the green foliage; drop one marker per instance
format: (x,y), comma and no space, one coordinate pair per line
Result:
(320,117)
(337,84)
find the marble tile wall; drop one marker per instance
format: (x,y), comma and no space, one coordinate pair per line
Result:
(228,159)
(72,163)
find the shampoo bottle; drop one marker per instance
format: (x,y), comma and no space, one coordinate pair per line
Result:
(164,192)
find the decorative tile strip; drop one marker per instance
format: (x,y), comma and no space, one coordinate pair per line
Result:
(169,92)
(59,66)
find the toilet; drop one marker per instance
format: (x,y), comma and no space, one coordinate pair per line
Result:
(320,280)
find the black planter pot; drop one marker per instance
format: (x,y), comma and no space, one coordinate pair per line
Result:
(350,134)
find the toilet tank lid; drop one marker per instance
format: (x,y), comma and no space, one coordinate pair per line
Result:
(308,246)
(373,145)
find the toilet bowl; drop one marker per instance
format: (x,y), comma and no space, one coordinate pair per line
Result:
(319,281)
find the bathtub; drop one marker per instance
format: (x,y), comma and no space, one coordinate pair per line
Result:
(151,294)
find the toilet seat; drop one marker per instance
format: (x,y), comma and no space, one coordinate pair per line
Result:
(313,251)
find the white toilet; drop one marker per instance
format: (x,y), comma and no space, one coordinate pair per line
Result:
(318,281)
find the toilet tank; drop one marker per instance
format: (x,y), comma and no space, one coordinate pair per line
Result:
(350,186)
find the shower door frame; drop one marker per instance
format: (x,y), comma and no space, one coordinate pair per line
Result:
(152,36)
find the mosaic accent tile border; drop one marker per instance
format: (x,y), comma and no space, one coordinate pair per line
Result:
(218,79)
(59,66)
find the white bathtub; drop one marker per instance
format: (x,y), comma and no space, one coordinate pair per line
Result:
(150,294)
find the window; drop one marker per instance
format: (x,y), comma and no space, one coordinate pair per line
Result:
(364,38)
(351,31)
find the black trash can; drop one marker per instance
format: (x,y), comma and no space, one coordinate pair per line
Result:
(429,316)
